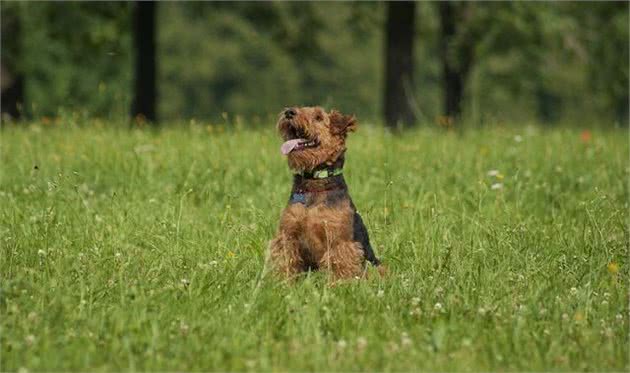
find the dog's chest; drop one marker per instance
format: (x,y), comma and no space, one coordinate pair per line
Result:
(318,224)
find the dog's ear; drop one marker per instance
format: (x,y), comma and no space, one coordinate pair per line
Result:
(342,124)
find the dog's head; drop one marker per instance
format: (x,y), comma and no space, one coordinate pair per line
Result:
(313,136)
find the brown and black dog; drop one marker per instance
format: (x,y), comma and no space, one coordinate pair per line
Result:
(320,228)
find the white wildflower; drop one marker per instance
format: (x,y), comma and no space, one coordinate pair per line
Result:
(405,340)
(183,327)
(543,311)
(493,173)
(496,186)
(29,339)
(609,332)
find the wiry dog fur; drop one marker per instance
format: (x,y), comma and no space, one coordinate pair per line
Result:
(320,228)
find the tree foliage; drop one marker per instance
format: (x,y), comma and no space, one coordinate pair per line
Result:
(551,61)
(76,56)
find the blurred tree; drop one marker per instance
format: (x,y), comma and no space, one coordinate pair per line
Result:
(604,37)
(12,79)
(399,67)
(524,36)
(145,92)
(258,57)
(457,45)
(76,58)
(530,60)
(507,42)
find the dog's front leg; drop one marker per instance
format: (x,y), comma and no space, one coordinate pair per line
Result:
(284,254)
(344,260)
(284,250)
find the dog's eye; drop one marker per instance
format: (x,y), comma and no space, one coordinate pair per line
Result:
(319,117)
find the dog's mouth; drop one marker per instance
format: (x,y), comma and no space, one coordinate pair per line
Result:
(298,140)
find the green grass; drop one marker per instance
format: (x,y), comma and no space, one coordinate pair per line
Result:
(141,250)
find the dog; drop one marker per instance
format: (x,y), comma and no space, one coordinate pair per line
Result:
(320,228)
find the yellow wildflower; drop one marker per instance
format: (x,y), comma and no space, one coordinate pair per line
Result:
(613,268)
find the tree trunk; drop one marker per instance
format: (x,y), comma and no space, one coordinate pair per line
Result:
(548,105)
(399,64)
(12,80)
(145,92)
(622,110)
(455,64)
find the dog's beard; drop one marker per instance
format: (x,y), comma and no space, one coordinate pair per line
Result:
(297,139)
(306,150)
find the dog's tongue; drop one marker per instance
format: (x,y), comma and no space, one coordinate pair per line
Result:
(290,145)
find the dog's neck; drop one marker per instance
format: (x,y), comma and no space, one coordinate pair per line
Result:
(324,170)
(322,178)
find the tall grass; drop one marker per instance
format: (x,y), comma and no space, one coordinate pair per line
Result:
(144,250)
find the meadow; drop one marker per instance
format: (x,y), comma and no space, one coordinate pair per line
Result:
(144,250)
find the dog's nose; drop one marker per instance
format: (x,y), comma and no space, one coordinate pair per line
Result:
(290,113)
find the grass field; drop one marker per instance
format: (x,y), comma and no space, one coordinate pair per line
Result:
(144,250)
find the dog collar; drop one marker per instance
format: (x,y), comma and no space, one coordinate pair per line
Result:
(321,174)
(300,195)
